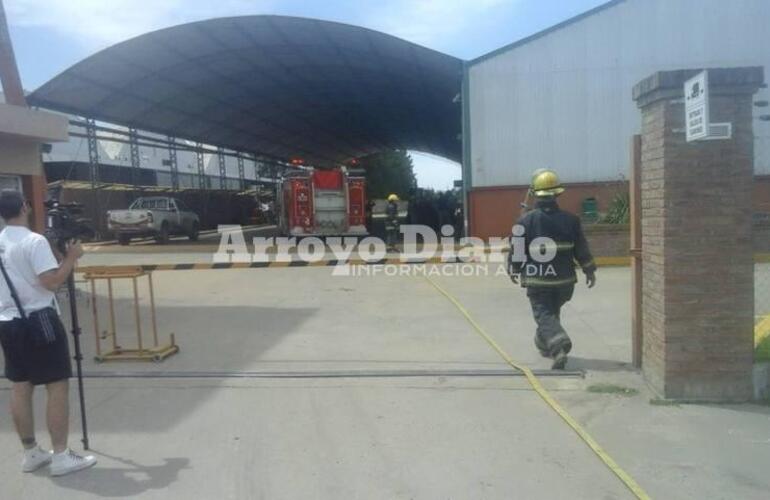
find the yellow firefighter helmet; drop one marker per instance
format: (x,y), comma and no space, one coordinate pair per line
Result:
(546,183)
(393,197)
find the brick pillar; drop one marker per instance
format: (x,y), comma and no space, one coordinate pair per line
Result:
(698,291)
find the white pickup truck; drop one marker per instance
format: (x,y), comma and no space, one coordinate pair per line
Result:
(155,216)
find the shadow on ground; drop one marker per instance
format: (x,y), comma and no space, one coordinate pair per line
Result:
(123,482)
(217,338)
(600,365)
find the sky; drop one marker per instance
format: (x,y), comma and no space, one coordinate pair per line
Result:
(51,35)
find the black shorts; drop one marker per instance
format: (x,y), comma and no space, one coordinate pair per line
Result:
(26,361)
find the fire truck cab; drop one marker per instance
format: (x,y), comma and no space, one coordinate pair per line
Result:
(316,202)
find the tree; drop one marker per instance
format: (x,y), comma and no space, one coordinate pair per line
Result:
(389,172)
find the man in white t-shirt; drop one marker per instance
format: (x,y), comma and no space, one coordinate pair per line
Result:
(34,275)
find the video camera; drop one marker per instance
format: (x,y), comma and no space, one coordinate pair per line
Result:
(64,223)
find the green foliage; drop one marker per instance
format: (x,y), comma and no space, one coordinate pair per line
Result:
(451,196)
(389,172)
(664,402)
(619,210)
(434,208)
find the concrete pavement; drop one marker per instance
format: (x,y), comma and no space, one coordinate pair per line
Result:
(424,437)
(374,439)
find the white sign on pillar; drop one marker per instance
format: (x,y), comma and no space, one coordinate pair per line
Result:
(696,106)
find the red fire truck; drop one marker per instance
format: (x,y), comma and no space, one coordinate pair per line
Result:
(316,202)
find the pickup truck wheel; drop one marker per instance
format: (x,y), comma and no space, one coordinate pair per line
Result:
(124,239)
(194,232)
(162,237)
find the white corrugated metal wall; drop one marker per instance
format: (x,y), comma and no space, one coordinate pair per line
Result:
(563,100)
(118,153)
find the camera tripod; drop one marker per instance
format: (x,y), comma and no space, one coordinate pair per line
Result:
(62,246)
(78,355)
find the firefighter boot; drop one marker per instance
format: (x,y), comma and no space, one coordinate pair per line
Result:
(541,346)
(560,345)
(560,360)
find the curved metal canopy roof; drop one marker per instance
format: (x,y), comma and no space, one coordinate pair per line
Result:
(284,87)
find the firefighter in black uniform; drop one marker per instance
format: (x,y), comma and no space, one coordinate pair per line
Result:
(550,281)
(391,222)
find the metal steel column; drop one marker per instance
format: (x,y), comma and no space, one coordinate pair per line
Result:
(258,167)
(93,169)
(222,168)
(201,167)
(133,147)
(467,169)
(173,163)
(635,209)
(241,172)
(266,170)
(93,152)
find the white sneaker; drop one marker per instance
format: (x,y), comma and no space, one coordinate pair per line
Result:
(35,458)
(68,461)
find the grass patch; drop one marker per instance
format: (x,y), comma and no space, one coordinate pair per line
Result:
(762,340)
(612,389)
(663,402)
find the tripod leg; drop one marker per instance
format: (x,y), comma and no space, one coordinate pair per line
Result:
(78,355)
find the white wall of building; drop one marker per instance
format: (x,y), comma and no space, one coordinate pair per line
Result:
(563,100)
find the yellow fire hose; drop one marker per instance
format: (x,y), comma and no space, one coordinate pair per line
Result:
(630,483)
